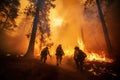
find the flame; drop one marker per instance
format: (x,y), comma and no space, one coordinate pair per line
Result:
(57,20)
(91,56)
(69,52)
(81,45)
(94,56)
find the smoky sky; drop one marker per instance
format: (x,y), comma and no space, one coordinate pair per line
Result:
(70,10)
(76,17)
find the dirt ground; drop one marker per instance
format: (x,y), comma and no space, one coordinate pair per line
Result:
(17,68)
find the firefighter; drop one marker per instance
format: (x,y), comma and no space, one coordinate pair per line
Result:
(59,54)
(44,54)
(79,57)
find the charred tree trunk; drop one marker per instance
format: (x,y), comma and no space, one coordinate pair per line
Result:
(107,39)
(30,51)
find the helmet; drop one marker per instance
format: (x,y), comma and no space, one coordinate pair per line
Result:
(76,47)
(59,45)
(46,47)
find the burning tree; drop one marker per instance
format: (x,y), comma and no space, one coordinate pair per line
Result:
(40,11)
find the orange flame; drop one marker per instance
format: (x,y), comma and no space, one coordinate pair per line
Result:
(60,23)
(91,56)
(94,56)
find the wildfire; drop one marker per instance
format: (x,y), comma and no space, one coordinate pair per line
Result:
(94,56)
(81,45)
(67,33)
(91,56)
(55,20)
(69,52)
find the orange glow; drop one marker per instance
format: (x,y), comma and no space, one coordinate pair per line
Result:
(65,22)
(81,45)
(96,57)
(55,20)
(70,36)
(23,5)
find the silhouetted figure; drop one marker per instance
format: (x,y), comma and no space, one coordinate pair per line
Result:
(59,54)
(79,57)
(44,54)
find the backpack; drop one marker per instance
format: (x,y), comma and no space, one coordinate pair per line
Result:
(81,56)
(44,52)
(59,51)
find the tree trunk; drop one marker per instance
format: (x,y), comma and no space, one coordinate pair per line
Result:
(107,39)
(30,51)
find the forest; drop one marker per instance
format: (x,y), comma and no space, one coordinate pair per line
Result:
(29,26)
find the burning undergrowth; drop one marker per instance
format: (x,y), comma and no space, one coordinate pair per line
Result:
(68,24)
(97,70)
(59,27)
(71,25)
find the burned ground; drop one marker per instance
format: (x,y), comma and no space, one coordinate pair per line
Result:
(17,68)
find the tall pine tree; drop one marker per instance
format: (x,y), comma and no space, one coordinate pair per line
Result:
(40,12)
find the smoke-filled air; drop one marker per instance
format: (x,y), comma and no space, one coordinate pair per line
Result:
(59,39)
(71,23)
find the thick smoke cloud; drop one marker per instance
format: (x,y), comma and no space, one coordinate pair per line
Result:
(74,17)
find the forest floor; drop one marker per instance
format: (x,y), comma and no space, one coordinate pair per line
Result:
(18,68)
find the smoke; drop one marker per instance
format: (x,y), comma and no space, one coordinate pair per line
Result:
(74,17)
(113,22)
(12,44)
(66,21)
(16,42)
